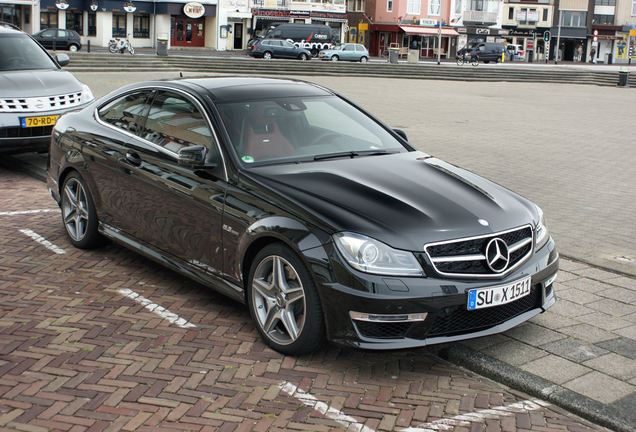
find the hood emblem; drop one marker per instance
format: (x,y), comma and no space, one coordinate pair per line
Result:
(497,255)
(483,222)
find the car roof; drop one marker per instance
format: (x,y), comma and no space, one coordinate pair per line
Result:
(237,88)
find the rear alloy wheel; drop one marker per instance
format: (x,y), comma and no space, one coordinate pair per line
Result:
(73,48)
(78,213)
(363,59)
(302,56)
(267,55)
(334,58)
(283,301)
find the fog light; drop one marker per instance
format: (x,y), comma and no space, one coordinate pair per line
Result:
(392,318)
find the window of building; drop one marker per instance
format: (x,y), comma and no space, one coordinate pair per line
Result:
(633,7)
(458,6)
(360,5)
(511,13)
(92,24)
(413,7)
(141,26)
(603,19)
(433,7)
(355,5)
(545,14)
(48,19)
(389,5)
(74,21)
(476,5)
(119,25)
(574,18)
(605,2)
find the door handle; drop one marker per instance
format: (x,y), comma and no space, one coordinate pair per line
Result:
(133,158)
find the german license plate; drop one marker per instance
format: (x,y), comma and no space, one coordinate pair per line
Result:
(480,298)
(27,122)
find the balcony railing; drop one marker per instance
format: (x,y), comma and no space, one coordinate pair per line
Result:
(472,16)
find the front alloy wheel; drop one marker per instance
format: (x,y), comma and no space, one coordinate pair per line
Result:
(78,213)
(267,55)
(334,58)
(283,301)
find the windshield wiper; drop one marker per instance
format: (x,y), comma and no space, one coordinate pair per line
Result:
(352,154)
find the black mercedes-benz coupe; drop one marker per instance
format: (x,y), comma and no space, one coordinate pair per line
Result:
(290,198)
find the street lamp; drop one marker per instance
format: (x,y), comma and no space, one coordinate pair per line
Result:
(439,34)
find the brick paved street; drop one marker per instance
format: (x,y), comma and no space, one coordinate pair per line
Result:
(79,351)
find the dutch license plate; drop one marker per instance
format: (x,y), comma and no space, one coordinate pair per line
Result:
(27,122)
(480,298)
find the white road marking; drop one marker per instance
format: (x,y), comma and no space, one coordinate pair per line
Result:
(44,242)
(310,400)
(445,424)
(155,308)
(26,212)
(449,424)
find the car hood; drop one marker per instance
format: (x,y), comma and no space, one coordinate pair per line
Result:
(404,200)
(36,83)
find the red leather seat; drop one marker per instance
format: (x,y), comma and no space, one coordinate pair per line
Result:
(262,138)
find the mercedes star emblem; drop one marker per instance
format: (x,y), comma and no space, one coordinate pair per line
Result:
(497,255)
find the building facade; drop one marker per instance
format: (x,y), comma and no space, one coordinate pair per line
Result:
(525,23)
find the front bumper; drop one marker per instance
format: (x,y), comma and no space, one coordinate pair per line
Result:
(16,139)
(444,300)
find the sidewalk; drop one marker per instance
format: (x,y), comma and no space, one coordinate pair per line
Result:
(580,354)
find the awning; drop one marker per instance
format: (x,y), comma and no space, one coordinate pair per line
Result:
(241,15)
(428,31)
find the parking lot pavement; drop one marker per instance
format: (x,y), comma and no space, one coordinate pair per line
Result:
(107,340)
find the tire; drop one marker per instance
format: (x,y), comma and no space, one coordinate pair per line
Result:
(73,48)
(460,61)
(363,59)
(113,48)
(486,61)
(287,314)
(131,50)
(314,52)
(334,58)
(78,213)
(267,55)
(302,56)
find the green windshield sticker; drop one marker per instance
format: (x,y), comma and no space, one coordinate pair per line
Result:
(248,159)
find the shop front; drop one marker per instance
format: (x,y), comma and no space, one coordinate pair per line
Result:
(264,19)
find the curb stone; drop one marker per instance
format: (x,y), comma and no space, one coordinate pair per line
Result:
(536,386)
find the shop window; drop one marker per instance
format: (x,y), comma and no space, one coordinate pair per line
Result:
(141,26)
(92,24)
(74,21)
(48,19)
(119,25)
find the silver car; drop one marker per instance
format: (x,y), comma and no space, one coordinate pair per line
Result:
(34,92)
(346,51)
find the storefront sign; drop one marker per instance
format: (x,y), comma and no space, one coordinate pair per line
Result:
(482,31)
(299,13)
(61,4)
(286,14)
(533,15)
(94,6)
(428,22)
(530,44)
(193,10)
(363,27)
(130,7)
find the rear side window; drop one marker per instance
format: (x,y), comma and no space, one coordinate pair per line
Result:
(127,112)
(174,122)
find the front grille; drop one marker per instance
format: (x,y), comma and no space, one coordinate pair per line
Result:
(382,330)
(467,257)
(20,132)
(457,319)
(44,103)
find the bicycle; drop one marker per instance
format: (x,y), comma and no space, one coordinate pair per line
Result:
(120,45)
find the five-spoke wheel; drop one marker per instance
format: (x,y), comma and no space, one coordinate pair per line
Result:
(78,213)
(283,301)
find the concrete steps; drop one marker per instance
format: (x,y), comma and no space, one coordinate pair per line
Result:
(245,65)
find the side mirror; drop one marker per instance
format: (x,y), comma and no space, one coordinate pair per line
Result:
(62,59)
(192,157)
(401,133)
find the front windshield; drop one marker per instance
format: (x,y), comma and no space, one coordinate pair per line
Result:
(20,52)
(299,129)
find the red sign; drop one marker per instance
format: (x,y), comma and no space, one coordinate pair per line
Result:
(530,44)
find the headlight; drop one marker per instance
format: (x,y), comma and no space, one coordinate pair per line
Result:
(541,234)
(87,94)
(371,256)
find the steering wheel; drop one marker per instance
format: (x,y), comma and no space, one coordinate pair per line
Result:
(321,137)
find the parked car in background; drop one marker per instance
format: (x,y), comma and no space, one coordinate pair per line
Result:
(313,37)
(291,199)
(59,39)
(487,51)
(277,48)
(346,51)
(515,52)
(34,92)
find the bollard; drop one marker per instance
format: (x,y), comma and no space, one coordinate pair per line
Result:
(88,45)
